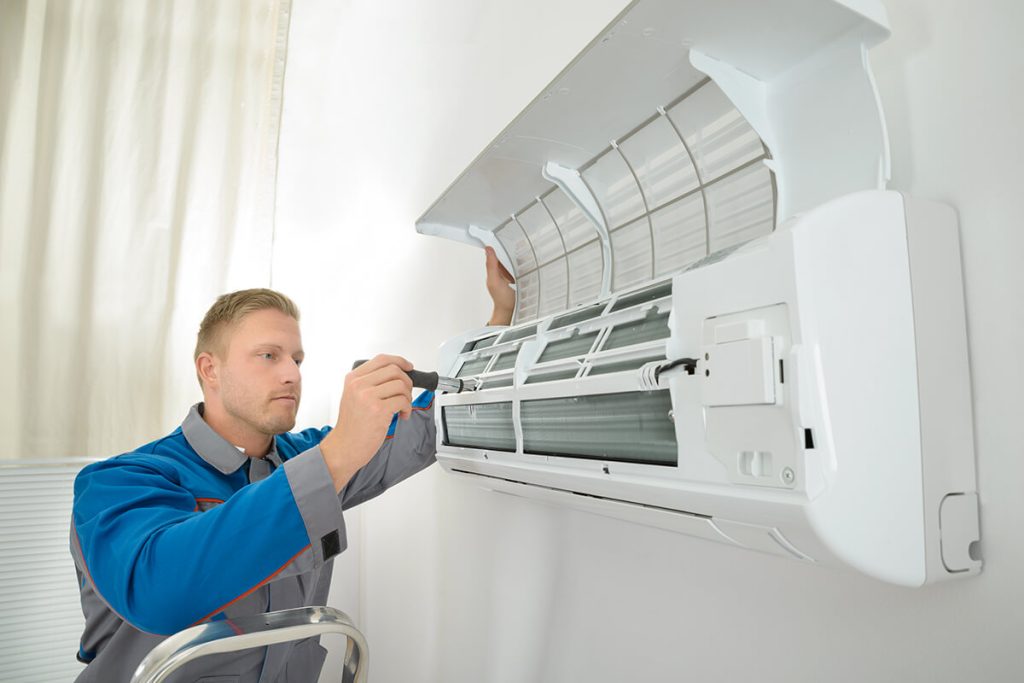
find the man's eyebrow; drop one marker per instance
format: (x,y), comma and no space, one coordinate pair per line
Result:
(269,345)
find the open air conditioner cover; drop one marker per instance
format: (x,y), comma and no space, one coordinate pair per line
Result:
(726,325)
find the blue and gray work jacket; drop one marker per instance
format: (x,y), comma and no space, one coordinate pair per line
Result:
(188,529)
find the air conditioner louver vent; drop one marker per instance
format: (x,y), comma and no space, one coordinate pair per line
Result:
(480,425)
(628,427)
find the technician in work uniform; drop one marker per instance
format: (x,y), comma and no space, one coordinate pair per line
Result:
(188,529)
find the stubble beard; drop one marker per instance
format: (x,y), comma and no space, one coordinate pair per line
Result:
(260,414)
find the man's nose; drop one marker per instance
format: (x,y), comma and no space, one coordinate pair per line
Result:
(291,373)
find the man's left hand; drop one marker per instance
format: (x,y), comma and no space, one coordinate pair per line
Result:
(499,286)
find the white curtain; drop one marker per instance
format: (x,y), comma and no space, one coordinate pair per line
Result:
(137,173)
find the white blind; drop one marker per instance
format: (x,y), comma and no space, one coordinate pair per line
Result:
(40,615)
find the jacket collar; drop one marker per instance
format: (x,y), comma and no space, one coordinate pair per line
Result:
(214,448)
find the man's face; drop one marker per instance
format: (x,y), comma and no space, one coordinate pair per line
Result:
(259,380)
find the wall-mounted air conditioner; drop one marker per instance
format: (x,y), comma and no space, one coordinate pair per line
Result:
(726,326)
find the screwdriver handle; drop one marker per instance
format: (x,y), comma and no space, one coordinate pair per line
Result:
(420,379)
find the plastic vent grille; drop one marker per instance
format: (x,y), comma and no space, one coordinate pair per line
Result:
(684,184)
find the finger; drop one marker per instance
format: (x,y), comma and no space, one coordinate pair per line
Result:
(495,266)
(399,404)
(380,361)
(505,274)
(387,373)
(391,389)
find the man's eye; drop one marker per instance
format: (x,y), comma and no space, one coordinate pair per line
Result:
(298,361)
(268,356)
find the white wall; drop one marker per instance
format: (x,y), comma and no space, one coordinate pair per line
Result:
(385,104)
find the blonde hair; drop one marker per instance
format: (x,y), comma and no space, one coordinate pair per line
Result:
(229,310)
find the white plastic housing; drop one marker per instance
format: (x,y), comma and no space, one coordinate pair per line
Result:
(861,302)
(704,185)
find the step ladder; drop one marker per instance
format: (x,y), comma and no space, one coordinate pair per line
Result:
(258,630)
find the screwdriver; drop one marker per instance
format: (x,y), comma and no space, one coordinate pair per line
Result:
(431,381)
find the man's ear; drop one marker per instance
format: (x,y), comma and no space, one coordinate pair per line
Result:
(206,368)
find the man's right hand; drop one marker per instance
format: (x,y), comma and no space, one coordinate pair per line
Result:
(374,392)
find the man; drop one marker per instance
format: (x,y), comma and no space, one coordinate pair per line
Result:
(232,515)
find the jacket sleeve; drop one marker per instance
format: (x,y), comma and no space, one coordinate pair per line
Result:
(410,446)
(162,566)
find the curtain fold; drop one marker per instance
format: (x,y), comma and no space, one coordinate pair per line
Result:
(138,147)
